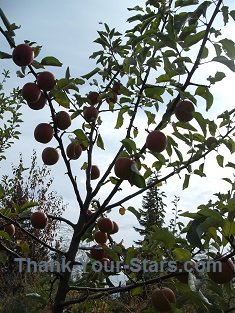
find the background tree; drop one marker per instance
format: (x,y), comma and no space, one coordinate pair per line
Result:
(10,116)
(23,192)
(152,212)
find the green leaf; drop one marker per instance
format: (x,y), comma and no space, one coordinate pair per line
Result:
(205,53)
(224,10)
(220,160)
(182,254)
(52,61)
(4,55)
(229,228)
(183,3)
(205,211)
(194,233)
(154,92)
(185,126)
(120,119)
(5,235)
(186,181)
(131,253)
(229,47)
(232,14)
(204,92)
(222,59)
(100,142)
(61,98)
(201,121)
(151,117)
(218,77)
(92,73)
(134,211)
(137,291)
(111,253)
(137,179)
(37,65)
(62,83)
(27,205)
(129,144)
(163,235)
(81,136)
(163,78)
(193,39)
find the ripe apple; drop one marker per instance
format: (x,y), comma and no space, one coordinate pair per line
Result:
(23,55)
(50,156)
(184,110)
(116,87)
(95,172)
(73,150)
(38,220)
(226,274)
(63,120)
(46,81)
(31,92)
(211,142)
(111,97)
(115,228)
(122,168)
(97,254)
(10,229)
(100,237)
(38,105)
(105,225)
(93,97)
(43,132)
(162,299)
(90,114)
(156,141)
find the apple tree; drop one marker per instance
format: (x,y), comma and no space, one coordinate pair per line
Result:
(151,84)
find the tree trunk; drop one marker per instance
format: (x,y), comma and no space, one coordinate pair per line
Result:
(64,280)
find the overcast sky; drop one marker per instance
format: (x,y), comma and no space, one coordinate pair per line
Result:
(67,30)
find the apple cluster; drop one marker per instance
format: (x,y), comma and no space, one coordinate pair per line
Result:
(106,227)
(35,95)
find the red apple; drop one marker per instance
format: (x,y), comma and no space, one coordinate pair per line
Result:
(38,105)
(226,274)
(98,254)
(105,225)
(184,110)
(43,132)
(38,220)
(63,120)
(23,55)
(73,150)
(122,168)
(162,299)
(10,229)
(115,228)
(93,97)
(100,237)
(95,172)
(90,114)
(31,92)
(156,141)
(50,156)
(46,81)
